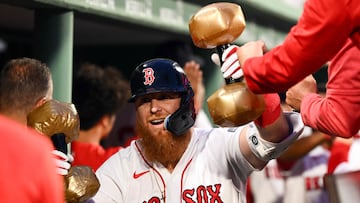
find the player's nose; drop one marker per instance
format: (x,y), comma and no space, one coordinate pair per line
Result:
(155,106)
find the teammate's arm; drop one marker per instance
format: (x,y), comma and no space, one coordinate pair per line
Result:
(309,45)
(304,145)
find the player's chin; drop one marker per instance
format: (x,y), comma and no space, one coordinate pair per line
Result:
(156,127)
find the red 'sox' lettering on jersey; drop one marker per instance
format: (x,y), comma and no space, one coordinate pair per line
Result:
(202,194)
(153,200)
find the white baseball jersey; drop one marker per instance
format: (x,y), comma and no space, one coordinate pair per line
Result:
(268,185)
(305,181)
(212,169)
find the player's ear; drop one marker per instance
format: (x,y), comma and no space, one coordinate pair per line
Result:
(40,102)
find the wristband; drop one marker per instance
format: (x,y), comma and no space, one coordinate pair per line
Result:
(272,110)
(266,150)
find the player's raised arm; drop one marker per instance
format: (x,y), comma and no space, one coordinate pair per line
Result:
(270,134)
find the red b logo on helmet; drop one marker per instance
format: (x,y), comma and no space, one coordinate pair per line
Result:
(149,76)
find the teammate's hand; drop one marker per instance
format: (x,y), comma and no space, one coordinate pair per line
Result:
(195,76)
(296,93)
(234,56)
(61,161)
(231,66)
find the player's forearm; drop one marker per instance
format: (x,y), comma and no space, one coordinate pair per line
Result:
(255,144)
(275,132)
(272,124)
(271,133)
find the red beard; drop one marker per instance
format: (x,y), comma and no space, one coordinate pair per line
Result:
(162,146)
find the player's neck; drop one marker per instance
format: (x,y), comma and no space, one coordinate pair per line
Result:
(18,116)
(90,136)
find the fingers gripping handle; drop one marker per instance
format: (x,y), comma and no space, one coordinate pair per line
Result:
(62,159)
(220,51)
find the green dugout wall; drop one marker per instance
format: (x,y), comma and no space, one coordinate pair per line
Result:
(61,30)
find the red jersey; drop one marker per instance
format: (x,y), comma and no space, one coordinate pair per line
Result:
(339,112)
(90,154)
(338,154)
(318,37)
(345,156)
(313,41)
(28,172)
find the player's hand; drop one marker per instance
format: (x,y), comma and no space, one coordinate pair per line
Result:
(250,50)
(195,76)
(296,93)
(61,162)
(234,56)
(231,66)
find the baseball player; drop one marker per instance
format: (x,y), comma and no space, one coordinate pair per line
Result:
(26,84)
(98,94)
(174,162)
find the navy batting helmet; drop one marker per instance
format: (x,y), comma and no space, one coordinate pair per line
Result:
(165,75)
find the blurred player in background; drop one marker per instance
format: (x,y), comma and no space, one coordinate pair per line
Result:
(98,94)
(25,84)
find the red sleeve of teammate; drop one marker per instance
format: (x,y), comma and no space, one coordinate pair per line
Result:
(337,114)
(309,45)
(329,117)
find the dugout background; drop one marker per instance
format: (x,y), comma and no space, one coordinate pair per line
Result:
(123,33)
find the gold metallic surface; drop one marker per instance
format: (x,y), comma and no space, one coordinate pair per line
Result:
(56,117)
(216,24)
(234,105)
(81,184)
(212,26)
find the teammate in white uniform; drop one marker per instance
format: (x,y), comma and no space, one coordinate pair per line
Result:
(296,176)
(173,162)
